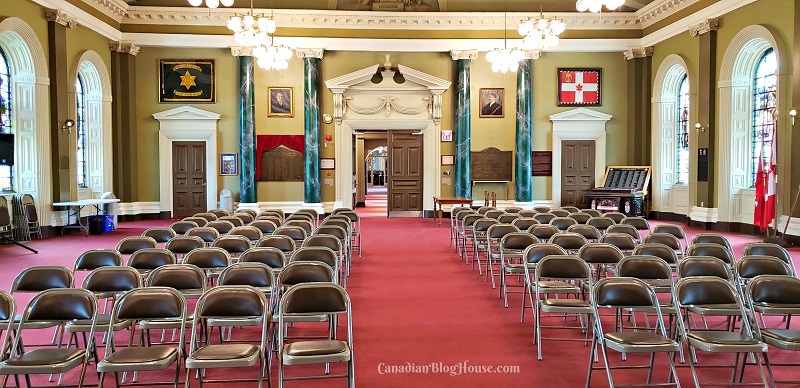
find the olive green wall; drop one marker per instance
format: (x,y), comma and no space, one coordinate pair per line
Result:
(147,85)
(614,102)
(31,13)
(80,39)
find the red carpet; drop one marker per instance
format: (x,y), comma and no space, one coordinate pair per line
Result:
(421,317)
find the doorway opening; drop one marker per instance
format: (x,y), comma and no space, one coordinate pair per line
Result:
(376,179)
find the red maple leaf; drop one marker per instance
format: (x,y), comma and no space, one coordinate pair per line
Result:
(579,87)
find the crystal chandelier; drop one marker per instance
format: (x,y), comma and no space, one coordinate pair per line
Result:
(594,6)
(211,3)
(257,31)
(505,59)
(541,33)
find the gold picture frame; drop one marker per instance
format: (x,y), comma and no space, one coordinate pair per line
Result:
(280,101)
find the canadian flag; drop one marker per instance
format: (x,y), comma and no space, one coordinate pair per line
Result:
(765,189)
(580,87)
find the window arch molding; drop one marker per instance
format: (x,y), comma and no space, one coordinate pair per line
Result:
(738,66)
(30,96)
(97,90)
(668,197)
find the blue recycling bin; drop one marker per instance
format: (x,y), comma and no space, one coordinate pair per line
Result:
(108,223)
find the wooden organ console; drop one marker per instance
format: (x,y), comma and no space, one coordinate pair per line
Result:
(624,190)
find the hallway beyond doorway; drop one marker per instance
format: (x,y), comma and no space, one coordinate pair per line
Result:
(375,204)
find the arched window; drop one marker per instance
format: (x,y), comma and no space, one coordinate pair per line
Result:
(80,125)
(5,117)
(682,130)
(765,83)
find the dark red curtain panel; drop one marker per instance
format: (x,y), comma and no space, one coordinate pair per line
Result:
(266,143)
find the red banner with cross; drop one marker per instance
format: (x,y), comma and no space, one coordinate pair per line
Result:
(579,87)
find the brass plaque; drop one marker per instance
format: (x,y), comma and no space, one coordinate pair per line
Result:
(282,165)
(491,164)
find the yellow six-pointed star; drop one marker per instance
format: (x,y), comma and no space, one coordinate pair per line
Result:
(188,80)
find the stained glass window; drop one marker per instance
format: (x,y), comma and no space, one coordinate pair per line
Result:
(80,125)
(764,103)
(5,117)
(682,130)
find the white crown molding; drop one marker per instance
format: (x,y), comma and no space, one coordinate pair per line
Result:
(660,9)
(83,18)
(316,19)
(115,9)
(715,10)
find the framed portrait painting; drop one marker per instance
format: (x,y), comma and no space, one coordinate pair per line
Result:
(228,164)
(281,102)
(579,86)
(492,100)
(187,80)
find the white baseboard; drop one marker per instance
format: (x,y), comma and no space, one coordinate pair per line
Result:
(704,214)
(134,208)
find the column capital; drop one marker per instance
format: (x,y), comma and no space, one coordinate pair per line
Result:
(532,54)
(309,53)
(242,51)
(641,52)
(60,17)
(123,47)
(704,26)
(464,54)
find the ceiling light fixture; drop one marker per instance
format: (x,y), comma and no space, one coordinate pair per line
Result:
(595,6)
(211,3)
(505,59)
(257,31)
(541,33)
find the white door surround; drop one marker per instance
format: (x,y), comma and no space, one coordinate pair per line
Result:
(578,124)
(186,123)
(359,104)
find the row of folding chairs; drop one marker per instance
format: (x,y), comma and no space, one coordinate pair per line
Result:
(246,297)
(764,261)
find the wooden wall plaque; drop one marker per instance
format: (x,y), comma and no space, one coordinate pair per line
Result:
(491,164)
(282,165)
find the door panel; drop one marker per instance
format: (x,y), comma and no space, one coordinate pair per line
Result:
(577,167)
(405,174)
(189,178)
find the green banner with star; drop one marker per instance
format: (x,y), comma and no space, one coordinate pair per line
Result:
(187,80)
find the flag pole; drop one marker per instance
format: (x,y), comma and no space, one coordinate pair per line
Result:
(775,239)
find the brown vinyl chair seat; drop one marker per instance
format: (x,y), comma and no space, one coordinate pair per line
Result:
(226,351)
(782,338)
(46,359)
(103,320)
(144,358)
(709,340)
(315,348)
(644,339)
(566,305)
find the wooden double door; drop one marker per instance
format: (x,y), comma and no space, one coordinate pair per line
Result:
(404,167)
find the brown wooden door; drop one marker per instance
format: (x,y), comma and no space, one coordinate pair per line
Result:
(577,172)
(404,169)
(188,178)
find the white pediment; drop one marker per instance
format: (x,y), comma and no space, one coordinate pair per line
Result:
(580,114)
(186,113)
(364,76)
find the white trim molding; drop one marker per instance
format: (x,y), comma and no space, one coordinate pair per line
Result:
(579,124)
(735,112)
(186,123)
(415,104)
(667,196)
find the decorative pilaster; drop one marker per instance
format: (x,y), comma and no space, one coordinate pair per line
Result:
(123,118)
(311,188)
(522,165)
(61,157)
(639,62)
(463,183)
(706,32)
(247,127)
